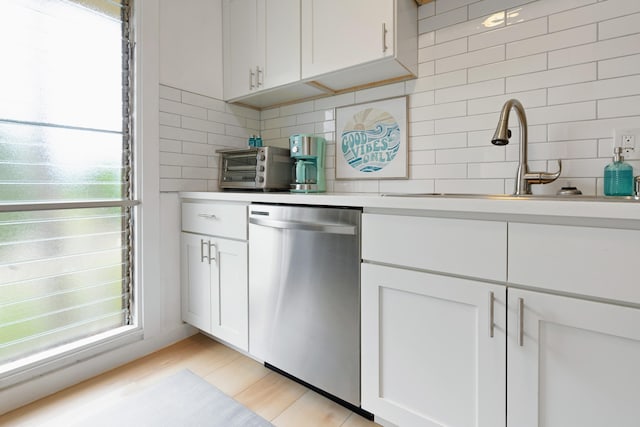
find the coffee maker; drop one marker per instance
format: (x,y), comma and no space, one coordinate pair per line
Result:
(307,152)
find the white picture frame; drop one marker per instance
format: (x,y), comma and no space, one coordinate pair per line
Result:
(371,140)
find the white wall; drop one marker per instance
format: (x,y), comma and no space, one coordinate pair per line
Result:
(192,128)
(574,64)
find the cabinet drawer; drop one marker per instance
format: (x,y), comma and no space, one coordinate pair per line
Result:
(465,247)
(598,262)
(215,219)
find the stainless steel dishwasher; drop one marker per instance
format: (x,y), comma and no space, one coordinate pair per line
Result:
(304,295)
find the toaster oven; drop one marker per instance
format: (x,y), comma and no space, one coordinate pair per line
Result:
(255,168)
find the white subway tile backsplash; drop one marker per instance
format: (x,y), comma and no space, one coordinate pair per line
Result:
(445,6)
(593,13)
(619,107)
(170,145)
(438,171)
(617,27)
(601,128)
(175,159)
(511,67)
(552,41)
(168,106)
(551,78)
(470,91)
(169,119)
(469,155)
(442,50)
(170,93)
(468,28)
(425,157)
(492,170)
(487,7)
(427,10)
(442,20)
(574,64)
(562,113)
(534,98)
(203,101)
(471,59)
(432,112)
(616,67)
(600,89)
(199,149)
(169,132)
(595,51)
(466,124)
(202,125)
(470,186)
(420,99)
(426,39)
(536,9)
(421,128)
(508,34)
(433,142)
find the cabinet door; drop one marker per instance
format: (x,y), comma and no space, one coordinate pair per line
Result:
(433,348)
(196,281)
(230,298)
(280,59)
(240,47)
(578,365)
(337,34)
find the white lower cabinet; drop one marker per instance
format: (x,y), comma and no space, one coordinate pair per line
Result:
(433,348)
(572,362)
(215,287)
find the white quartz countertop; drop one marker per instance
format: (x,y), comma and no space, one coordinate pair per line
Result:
(502,207)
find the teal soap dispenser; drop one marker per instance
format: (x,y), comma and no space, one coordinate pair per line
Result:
(618,176)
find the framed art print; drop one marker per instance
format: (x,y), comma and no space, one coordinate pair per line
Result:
(371,140)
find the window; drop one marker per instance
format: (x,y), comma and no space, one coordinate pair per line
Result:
(66,194)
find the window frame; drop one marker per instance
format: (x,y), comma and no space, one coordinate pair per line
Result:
(41,363)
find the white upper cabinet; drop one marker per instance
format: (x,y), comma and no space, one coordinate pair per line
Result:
(190,46)
(282,51)
(368,41)
(261,45)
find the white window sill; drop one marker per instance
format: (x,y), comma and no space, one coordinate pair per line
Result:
(42,363)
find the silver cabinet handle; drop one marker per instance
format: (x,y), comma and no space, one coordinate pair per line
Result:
(251,76)
(259,76)
(520,322)
(215,252)
(491,314)
(384,37)
(202,255)
(207,216)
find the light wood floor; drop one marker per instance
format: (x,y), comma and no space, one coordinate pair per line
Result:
(272,396)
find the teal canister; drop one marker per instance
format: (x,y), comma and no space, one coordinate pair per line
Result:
(618,176)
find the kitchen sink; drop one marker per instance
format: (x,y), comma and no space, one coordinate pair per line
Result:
(584,198)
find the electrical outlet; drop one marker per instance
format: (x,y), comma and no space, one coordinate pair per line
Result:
(629,142)
(626,138)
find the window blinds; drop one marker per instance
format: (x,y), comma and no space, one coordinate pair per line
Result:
(66,199)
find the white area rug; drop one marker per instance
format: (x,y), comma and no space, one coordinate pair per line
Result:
(181,400)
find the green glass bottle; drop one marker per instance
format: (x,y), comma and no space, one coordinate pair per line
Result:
(618,176)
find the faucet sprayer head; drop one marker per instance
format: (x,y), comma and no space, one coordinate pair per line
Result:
(501,137)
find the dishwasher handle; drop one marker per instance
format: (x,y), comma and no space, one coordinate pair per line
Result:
(331,228)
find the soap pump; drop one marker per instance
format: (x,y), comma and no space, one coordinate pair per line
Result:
(618,176)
